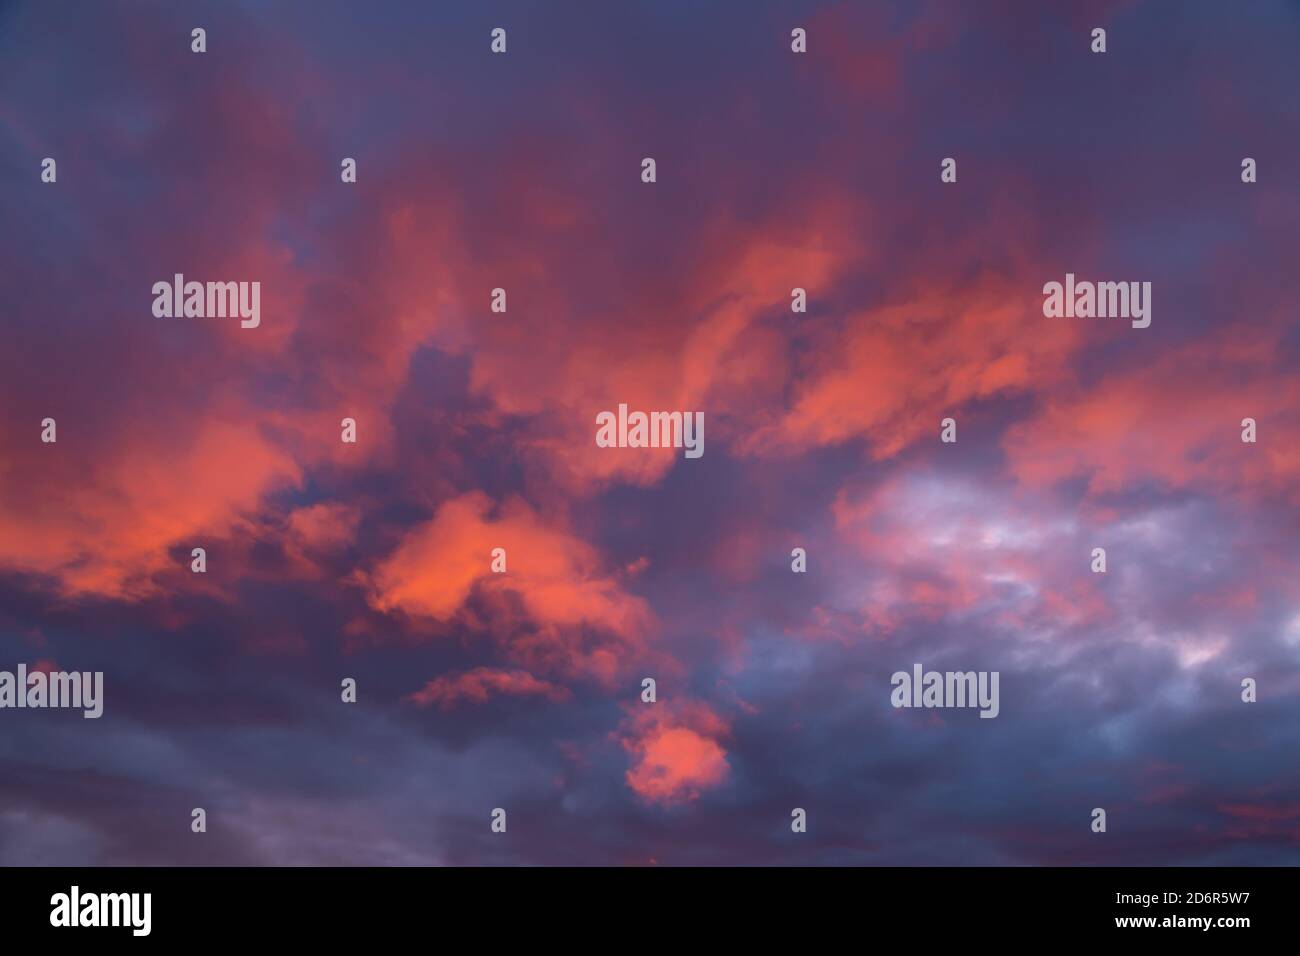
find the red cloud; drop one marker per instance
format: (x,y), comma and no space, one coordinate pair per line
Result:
(890,374)
(106,531)
(477,685)
(698,345)
(1275,823)
(586,625)
(1176,421)
(678,752)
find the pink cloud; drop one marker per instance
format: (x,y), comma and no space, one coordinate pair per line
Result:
(477,685)
(677,752)
(584,623)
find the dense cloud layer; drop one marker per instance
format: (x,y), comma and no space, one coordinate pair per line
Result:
(475,430)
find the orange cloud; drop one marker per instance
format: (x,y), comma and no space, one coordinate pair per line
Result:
(1177,421)
(477,685)
(677,752)
(889,375)
(109,532)
(694,341)
(584,623)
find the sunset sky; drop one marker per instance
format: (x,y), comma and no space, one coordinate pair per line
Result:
(476,429)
